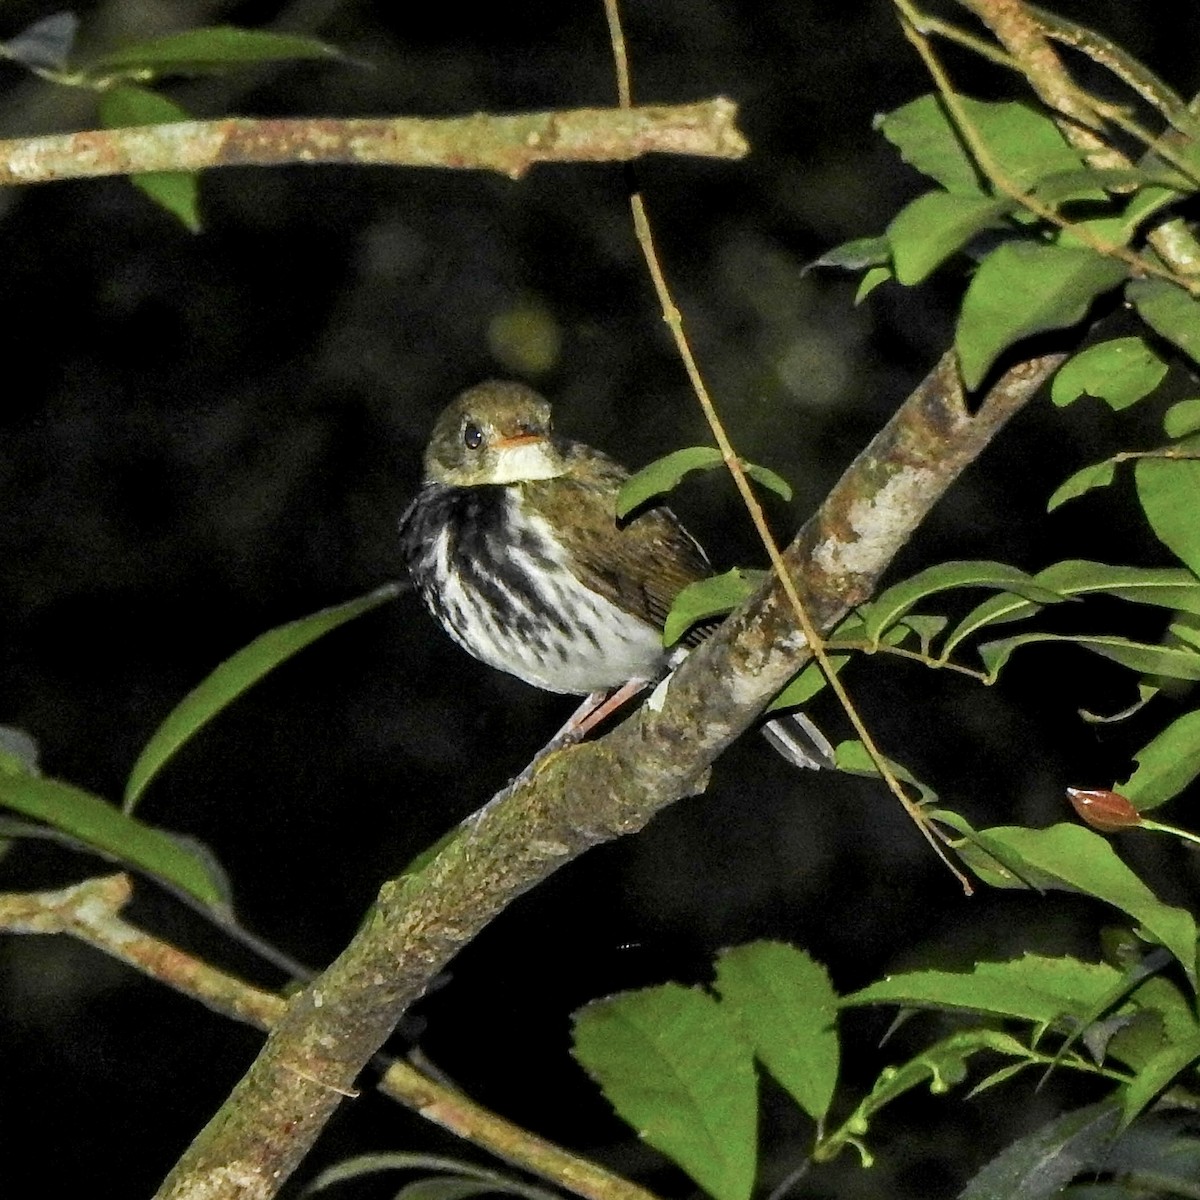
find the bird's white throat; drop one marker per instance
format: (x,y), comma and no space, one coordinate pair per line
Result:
(525,462)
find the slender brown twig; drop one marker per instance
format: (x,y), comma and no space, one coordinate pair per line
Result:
(674,320)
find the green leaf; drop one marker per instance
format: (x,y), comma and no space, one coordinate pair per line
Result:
(709,598)
(1174,662)
(1120,372)
(807,684)
(934,226)
(233,677)
(768,478)
(1040,1165)
(1023,288)
(1097,475)
(1087,183)
(1169,311)
(1182,418)
(665,473)
(1169,492)
(852,757)
(855,254)
(787,1009)
(204,51)
(1072,857)
(673,1063)
(1164,587)
(1165,765)
(176,191)
(1169,1062)
(1032,988)
(1027,144)
(870,281)
(892,604)
(112,833)
(812,679)
(926,627)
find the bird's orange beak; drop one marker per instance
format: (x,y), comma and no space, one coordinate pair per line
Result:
(518,439)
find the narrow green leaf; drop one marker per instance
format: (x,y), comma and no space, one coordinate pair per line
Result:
(1169,492)
(768,478)
(807,684)
(852,757)
(1033,988)
(709,598)
(1026,143)
(1087,183)
(1165,765)
(1164,587)
(995,610)
(111,833)
(1120,372)
(1169,311)
(1072,857)
(894,603)
(204,51)
(1039,1166)
(787,1009)
(812,679)
(1023,288)
(1147,659)
(673,1063)
(1182,418)
(931,228)
(855,255)
(996,1078)
(1169,1062)
(176,191)
(233,677)
(664,474)
(1097,475)
(870,281)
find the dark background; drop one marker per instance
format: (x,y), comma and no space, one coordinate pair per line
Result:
(204,436)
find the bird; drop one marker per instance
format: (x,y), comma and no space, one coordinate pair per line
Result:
(514,545)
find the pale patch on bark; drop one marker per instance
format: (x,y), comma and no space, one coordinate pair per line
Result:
(881,524)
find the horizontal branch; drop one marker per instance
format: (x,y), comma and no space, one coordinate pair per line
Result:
(588,794)
(91,911)
(508,144)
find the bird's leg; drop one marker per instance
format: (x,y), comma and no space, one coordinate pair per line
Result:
(594,709)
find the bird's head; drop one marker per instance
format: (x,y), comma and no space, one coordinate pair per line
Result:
(494,433)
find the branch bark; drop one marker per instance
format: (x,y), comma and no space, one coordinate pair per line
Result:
(508,144)
(91,912)
(588,794)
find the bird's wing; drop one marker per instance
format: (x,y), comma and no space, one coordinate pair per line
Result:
(640,564)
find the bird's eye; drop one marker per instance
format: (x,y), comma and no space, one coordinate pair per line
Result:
(472,436)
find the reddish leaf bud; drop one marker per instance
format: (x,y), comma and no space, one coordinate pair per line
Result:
(1109,812)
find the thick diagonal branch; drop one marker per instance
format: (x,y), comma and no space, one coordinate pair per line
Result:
(508,144)
(588,794)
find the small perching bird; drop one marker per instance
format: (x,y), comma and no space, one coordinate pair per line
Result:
(515,547)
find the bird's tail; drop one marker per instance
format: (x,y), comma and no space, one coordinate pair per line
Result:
(798,740)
